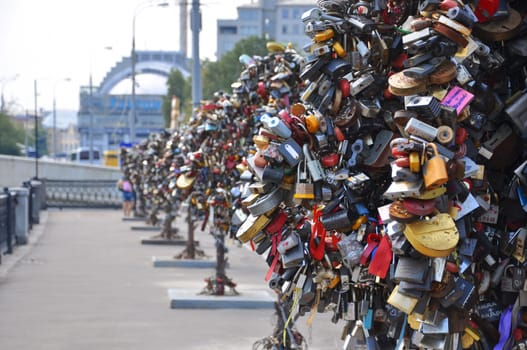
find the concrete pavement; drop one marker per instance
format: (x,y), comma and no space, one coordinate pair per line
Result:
(86,282)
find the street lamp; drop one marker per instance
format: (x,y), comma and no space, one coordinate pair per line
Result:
(4,82)
(195,23)
(36,130)
(137,10)
(90,106)
(55,115)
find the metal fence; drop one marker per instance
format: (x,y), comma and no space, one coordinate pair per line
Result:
(82,194)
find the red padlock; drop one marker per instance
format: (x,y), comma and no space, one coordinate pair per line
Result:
(329,160)
(419,207)
(485,9)
(448,4)
(403,162)
(397,152)
(339,134)
(461,136)
(344,86)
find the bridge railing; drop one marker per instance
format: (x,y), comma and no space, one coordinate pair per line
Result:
(20,206)
(82,193)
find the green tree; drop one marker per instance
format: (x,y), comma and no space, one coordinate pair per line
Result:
(219,75)
(179,87)
(216,76)
(10,136)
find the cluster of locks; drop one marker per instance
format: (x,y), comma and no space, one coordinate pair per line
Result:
(392,192)
(386,180)
(202,162)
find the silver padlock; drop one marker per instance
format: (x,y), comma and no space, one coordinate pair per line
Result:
(314,166)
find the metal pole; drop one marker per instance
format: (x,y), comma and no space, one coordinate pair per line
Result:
(91,119)
(195,22)
(54,127)
(36,132)
(26,127)
(2,108)
(133,111)
(183,27)
(55,115)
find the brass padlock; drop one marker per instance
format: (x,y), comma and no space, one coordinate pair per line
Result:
(434,170)
(304,188)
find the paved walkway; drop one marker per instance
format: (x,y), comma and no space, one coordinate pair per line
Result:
(86,282)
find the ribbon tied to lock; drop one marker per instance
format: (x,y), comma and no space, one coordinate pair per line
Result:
(275,239)
(372,240)
(318,236)
(380,261)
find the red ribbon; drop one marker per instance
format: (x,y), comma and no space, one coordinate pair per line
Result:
(373,241)
(274,240)
(380,263)
(318,236)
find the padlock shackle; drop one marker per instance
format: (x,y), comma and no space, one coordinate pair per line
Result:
(307,153)
(434,148)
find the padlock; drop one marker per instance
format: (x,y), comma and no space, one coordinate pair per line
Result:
(278,127)
(434,170)
(273,175)
(312,123)
(506,284)
(259,160)
(335,221)
(294,256)
(314,166)
(291,152)
(304,188)
(329,160)
(414,162)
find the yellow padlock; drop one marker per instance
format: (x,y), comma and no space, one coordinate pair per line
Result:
(261,142)
(415,162)
(339,50)
(434,170)
(312,123)
(324,35)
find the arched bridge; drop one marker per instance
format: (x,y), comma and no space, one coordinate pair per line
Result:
(151,62)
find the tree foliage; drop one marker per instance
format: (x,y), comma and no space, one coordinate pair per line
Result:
(10,136)
(219,75)
(216,76)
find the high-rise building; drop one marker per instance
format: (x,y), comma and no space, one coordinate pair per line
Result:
(277,20)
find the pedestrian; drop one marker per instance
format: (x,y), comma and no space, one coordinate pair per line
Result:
(125,186)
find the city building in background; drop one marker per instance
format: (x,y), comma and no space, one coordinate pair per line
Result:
(277,20)
(104,116)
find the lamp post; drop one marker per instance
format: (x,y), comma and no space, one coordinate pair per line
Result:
(133,114)
(90,105)
(55,115)
(36,131)
(4,82)
(195,23)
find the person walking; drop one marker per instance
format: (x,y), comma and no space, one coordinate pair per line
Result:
(125,186)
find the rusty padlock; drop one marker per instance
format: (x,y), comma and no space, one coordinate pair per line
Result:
(434,170)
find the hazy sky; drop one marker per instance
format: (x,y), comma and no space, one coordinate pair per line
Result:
(49,40)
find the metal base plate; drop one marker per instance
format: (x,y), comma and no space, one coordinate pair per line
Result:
(193,263)
(247,299)
(133,219)
(162,241)
(146,228)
